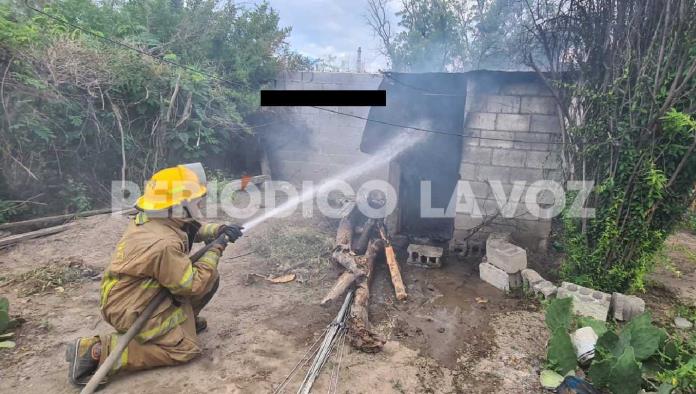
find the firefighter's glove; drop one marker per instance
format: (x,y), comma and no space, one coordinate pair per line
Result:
(219,245)
(232,231)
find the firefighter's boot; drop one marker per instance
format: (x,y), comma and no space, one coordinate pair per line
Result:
(83,356)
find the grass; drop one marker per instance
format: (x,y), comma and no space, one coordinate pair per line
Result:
(289,245)
(54,275)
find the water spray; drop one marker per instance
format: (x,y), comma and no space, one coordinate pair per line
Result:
(392,148)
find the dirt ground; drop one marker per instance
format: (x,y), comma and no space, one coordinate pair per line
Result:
(441,340)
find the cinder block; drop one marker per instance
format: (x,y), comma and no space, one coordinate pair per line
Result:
(545,288)
(480,120)
(506,256)
(497,139)
(498,104)
(511,158)
(480,189)
(491,173)
(471,137)
(586,302)
(532,141)
(538,105)
(526,174)
(548,160)
(476,154)
(467,172)
(512,122)
(521,88)
(530,277)
(494,276)
(425,256)
(626,307)
(545,124)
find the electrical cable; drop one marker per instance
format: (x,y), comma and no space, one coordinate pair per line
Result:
(451,133)
(239,84)
(426,92)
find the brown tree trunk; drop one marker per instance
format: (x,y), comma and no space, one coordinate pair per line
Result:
(359,333)
(342,284)
(395,273)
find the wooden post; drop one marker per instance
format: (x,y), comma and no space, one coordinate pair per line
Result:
(399,287)
(359,333)
(393,264)
(342,284)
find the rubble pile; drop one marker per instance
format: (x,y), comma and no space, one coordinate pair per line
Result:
(505,267)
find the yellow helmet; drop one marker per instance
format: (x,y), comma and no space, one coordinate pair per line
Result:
(173,186)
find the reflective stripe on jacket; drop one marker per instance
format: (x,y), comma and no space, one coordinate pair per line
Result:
(151,255)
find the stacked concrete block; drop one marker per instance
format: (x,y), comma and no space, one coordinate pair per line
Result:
(503,260)
(506,256)
(424,256)
(515,130)
(495,276)
(586,302)
(626,307)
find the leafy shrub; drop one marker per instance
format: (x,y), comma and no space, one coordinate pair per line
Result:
(6,324)
(637,355)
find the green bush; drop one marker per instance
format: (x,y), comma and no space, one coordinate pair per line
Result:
(634,356)
(6,324)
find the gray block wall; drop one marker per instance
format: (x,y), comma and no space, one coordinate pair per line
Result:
(514,132)
(308,144)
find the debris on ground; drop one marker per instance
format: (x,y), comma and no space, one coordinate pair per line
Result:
(55,275)
(626,307)
(682,323)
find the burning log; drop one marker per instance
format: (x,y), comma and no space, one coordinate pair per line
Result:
(359,333)
(393,264)
(344,281)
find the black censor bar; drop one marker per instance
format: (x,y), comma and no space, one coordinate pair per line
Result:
(329,98)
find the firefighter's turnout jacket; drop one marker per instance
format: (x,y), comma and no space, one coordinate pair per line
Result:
(152,256)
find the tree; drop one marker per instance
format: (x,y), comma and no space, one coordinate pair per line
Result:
(449,35)
(79,111)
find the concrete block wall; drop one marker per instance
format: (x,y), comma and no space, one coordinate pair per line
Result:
(513,130)
(308,144)
(512,134)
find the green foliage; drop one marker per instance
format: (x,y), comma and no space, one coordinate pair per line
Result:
(5,324)
(636,355)
(449,35)
(635,137)
(560,353)
(599,327)
(73,104)
(558,314)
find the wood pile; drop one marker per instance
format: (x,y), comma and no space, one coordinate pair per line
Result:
(360,244)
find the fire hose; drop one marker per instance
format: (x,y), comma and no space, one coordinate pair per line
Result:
(125,339)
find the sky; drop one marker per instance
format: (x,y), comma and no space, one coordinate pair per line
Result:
(331,27)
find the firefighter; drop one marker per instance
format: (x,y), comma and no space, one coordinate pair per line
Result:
(152,256)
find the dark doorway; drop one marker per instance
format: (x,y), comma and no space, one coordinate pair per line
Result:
(433,102)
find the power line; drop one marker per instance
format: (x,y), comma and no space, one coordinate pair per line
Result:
(426,92)
(239,84)
(451,133)
(132,48)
